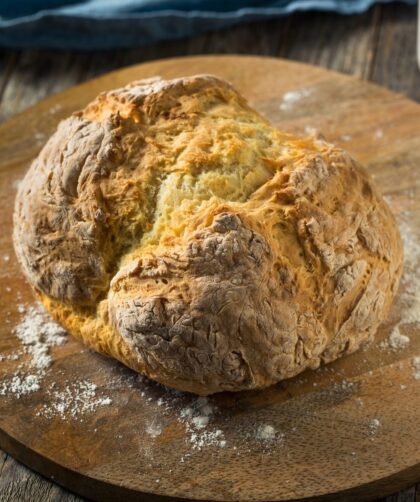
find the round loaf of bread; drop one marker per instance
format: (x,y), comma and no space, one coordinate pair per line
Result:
(170,226)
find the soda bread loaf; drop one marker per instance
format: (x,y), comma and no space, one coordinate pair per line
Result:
(170,226)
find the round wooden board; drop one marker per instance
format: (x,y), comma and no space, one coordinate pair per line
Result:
(138,448)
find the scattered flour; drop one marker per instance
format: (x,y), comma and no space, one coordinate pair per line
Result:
(416,365)
(374,425)
(12,357)
(408,303)
(346,137)
(54,109)
(196,418)
(293,97)
(207,438)
(397,340)
(312,131)
(16,183)
(379,134)
(75,399)
(344,385)
(37,333)
(20,385)
(154,429)
(40,137)
(410,299)
(266,433)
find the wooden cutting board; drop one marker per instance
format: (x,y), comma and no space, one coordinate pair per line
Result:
(350,431)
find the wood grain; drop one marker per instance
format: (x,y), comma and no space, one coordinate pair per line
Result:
(327,450)
(395,64)
(19,483)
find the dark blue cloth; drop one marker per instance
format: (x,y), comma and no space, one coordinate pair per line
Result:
(102,24)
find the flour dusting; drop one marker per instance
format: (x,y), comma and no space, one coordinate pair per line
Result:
(266,433)
(16,183)
(415,362)
(398,340)
(73,400)
(312,131)
(292,97)
(154,429)
(373,426)
(408,303)
(55,109)
(38,333)
(410,299)
(379,134)
(20,385)
(197,416)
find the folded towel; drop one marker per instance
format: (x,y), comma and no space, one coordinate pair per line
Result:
(103,24)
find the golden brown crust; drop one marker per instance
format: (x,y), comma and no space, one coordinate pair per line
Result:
(170,226)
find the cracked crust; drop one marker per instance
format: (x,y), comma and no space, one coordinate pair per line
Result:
(170,226)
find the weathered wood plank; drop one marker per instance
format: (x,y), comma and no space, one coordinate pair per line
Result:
(36,75)
(19,484)
(342,43)
(395,64)
(408,495)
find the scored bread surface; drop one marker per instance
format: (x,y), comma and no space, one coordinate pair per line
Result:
(170,226)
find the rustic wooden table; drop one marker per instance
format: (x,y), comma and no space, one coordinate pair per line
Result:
(379,45)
